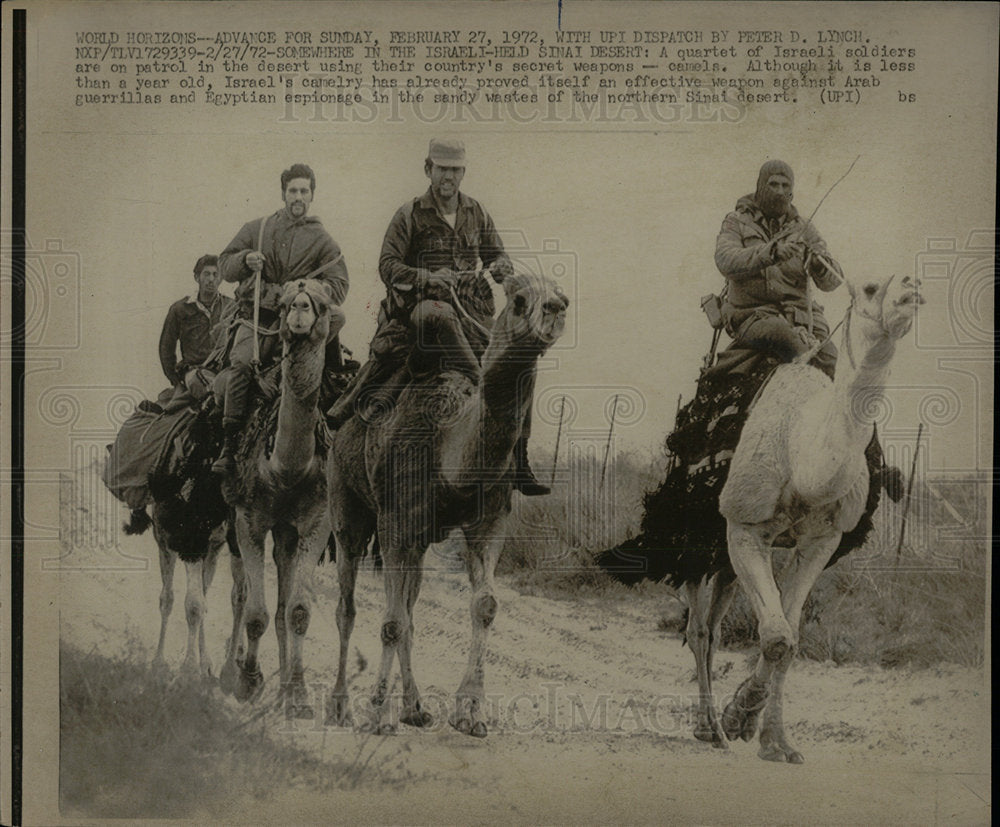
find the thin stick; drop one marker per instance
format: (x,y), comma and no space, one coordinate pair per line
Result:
(909,489)
(256,319)
(841,178)
(607,448)
(555,458)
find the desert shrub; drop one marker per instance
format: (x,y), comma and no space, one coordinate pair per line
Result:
(552,540)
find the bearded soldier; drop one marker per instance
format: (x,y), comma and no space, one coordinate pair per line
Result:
(287,245)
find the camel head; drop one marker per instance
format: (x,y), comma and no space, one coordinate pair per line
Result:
(535,313)
(878,320)
(305,310)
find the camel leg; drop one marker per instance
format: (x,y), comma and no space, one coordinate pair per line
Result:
(707,727)
(286,538)
(750,554)
(298,612)
(238,598)
(215,542)
(251,539)
(351,534)
(194,610)
(393,625)
(413,712)
(814,553)
(167,561)
(707,605)
(482,552)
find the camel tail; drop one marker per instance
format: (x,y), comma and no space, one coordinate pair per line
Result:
(646,557)
(632,562)
(138,521)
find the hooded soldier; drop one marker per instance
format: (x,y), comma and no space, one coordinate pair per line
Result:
(768,253)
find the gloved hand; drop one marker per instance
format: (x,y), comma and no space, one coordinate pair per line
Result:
(783,249)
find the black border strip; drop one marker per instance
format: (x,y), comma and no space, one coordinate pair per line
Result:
(18,243)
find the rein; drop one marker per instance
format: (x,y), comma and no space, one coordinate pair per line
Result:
(847,329)
(464,312)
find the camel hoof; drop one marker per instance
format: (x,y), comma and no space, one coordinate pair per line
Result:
(463,725)
(710,735)
(780,754)
(739,718)
(299,712)
(478,730)
(705,734)
(416,717)
(376,728)
(249,685)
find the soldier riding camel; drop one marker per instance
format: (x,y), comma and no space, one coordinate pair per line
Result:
(430,255)
(290,244)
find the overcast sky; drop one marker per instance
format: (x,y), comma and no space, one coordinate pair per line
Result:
(629,216)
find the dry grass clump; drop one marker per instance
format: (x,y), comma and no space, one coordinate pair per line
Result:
(552,540)
(138,744)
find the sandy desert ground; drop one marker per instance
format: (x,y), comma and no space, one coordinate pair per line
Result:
(590,714)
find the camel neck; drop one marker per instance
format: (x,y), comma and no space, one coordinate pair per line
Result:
(506,395)
(859,387)
(301,374)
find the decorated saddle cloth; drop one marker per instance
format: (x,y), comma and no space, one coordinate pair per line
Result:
(683,513)
(682,535)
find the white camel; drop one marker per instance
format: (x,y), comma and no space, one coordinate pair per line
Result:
(800,471)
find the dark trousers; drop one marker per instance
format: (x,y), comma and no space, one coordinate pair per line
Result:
(772,333)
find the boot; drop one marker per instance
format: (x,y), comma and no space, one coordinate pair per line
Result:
(524,478)
(225,465)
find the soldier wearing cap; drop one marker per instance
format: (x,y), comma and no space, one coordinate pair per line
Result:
(432,249)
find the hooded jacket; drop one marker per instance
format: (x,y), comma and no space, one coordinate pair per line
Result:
(743,256)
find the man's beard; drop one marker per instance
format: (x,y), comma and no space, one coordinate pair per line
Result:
(774,205)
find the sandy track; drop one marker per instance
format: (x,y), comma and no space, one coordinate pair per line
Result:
(590,715)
